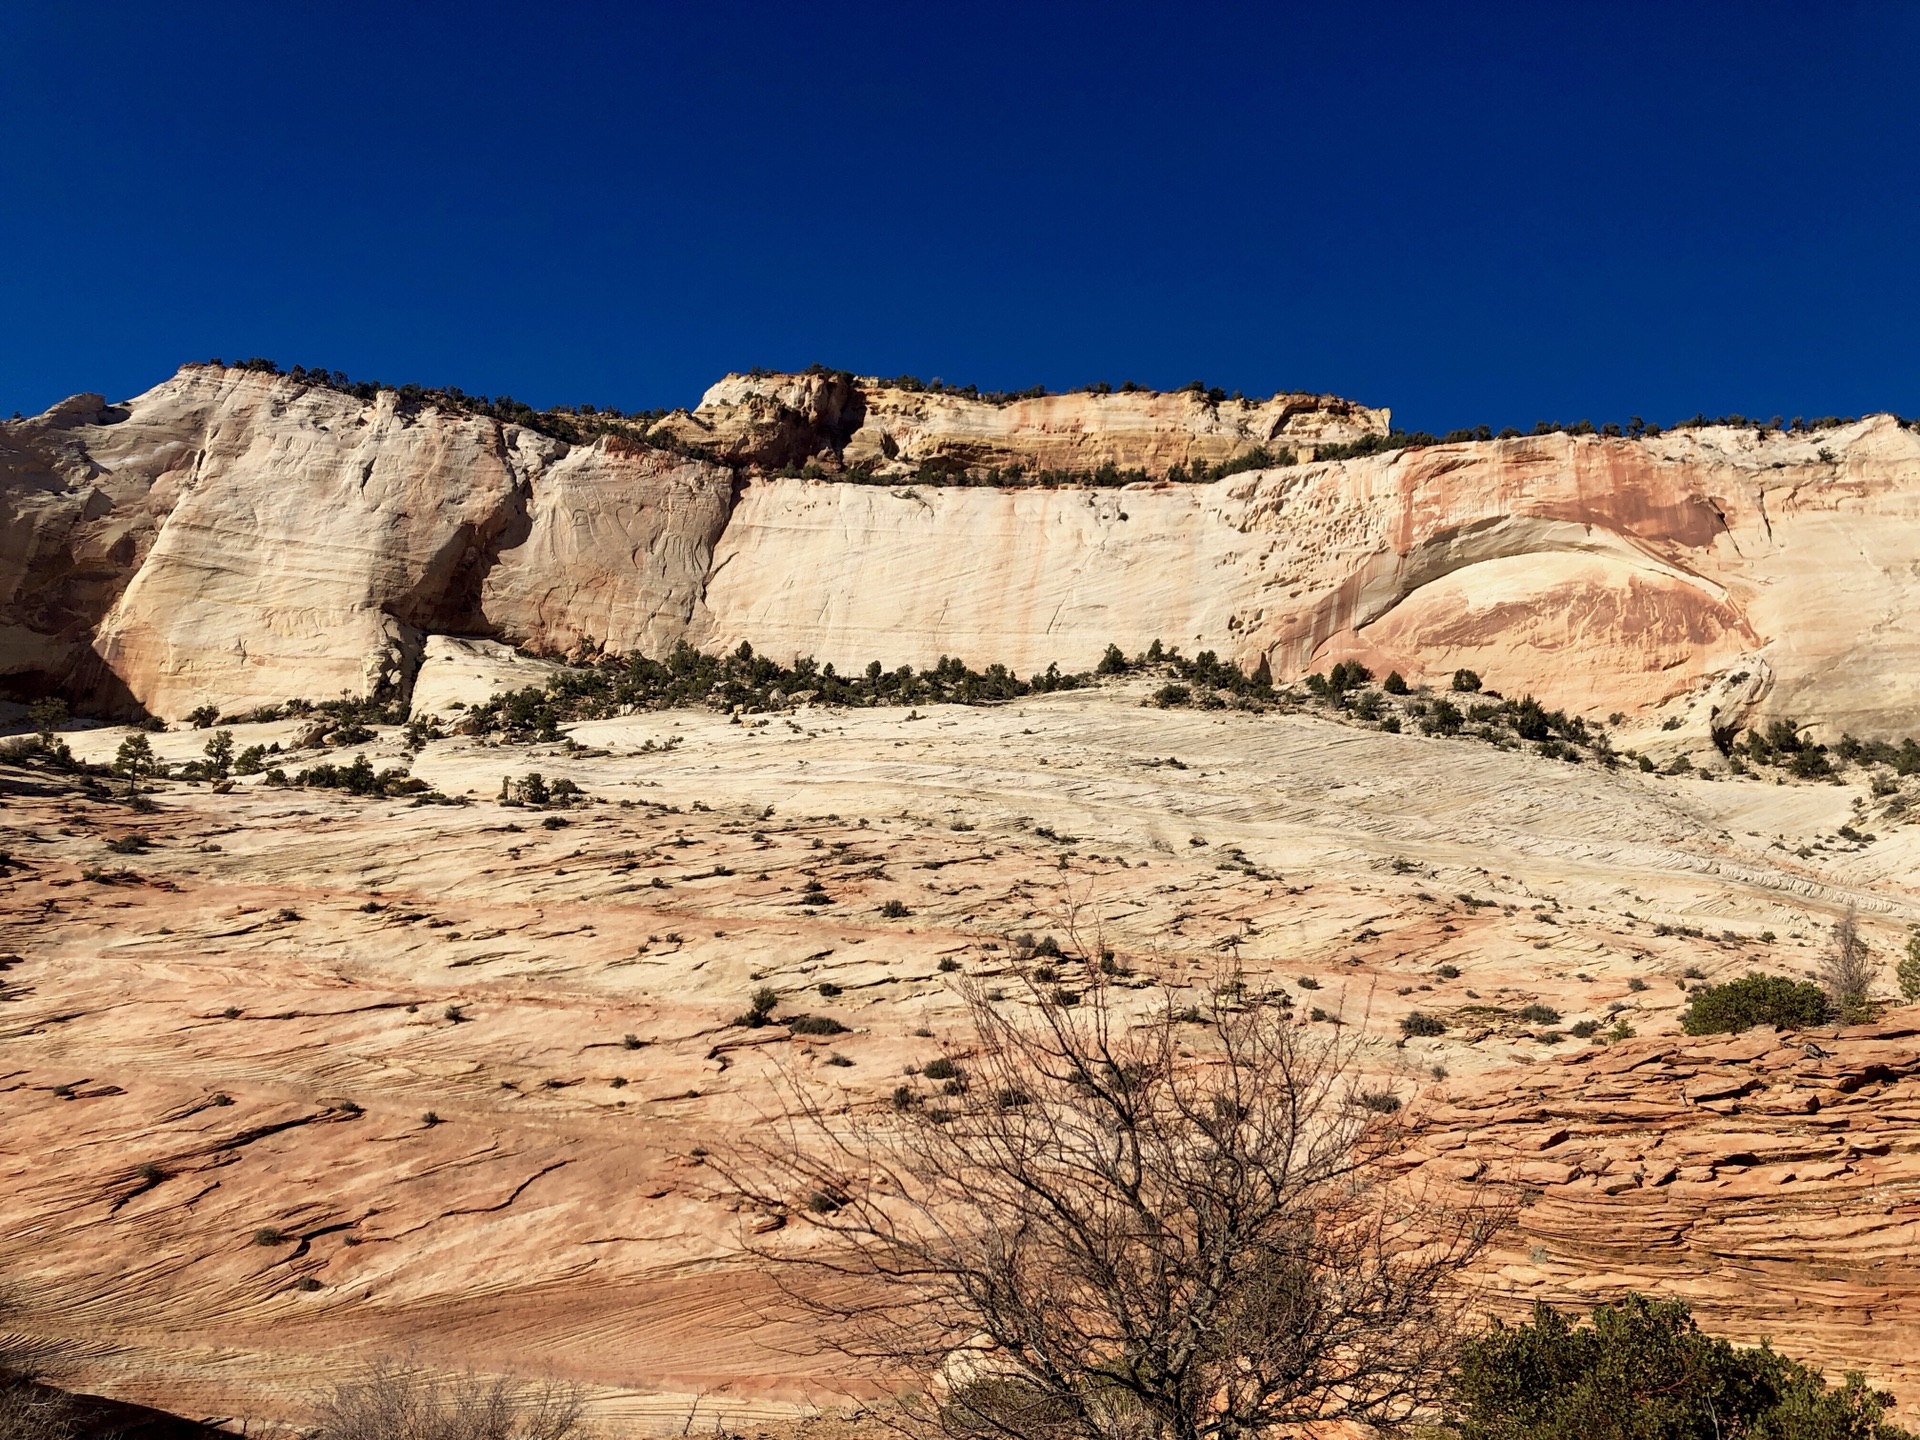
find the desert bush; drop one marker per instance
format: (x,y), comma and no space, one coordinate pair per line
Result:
(1755,999)
(1419,1024)
(816,1025)
(895,910)
(1642,1368)
(1134,1244)
(1394,684)
(1847,971)
(1538,1014)
(404,1402)
(760,1007)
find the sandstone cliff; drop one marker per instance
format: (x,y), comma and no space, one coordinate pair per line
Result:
(884,429)
(234,538)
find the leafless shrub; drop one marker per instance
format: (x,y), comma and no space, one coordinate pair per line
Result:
(402,1401)
(28,1410)
(33,1412)
(1106,1238)
(1847,971)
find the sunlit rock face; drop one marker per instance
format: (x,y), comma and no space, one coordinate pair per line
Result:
(233,538)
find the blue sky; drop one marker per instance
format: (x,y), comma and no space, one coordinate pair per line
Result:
(1481,213)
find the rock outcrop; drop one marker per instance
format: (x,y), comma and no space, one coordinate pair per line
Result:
(889,431)
(1771,1179)
(234,538)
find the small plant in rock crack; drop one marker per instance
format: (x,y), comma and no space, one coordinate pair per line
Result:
(269,1235)
(816,1025)
(1380,1102)
(760,1008)
(895,910)
(1538,1014)
(1419,1024)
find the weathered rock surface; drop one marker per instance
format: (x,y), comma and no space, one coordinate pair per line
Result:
(231,538)
(257,1008)
(785,419)
(1771,1180)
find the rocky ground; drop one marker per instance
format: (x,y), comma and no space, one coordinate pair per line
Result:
(312,1078)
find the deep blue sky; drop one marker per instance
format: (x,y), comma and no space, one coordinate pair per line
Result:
(1468,212)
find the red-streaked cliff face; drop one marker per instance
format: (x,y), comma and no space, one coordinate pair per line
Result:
(233,538)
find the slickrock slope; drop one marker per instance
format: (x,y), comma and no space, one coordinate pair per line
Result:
(248,1026)
(1772,1180)
(233,538)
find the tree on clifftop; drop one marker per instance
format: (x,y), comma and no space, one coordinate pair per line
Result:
(1177,1228)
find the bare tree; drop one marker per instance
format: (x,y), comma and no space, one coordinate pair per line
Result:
(1848,970)
(1182,1228)
(403,1401)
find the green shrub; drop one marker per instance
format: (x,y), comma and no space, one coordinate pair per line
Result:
(1755,999)
(816,1025)
(1466,681)
(895,910)
(1419,1024)
(1394,684)
(1642,1370)
(940,1068)
(1907,972)
(1537,1014)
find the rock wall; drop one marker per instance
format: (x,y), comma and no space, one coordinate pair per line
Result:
(234,538)
(1604,574)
